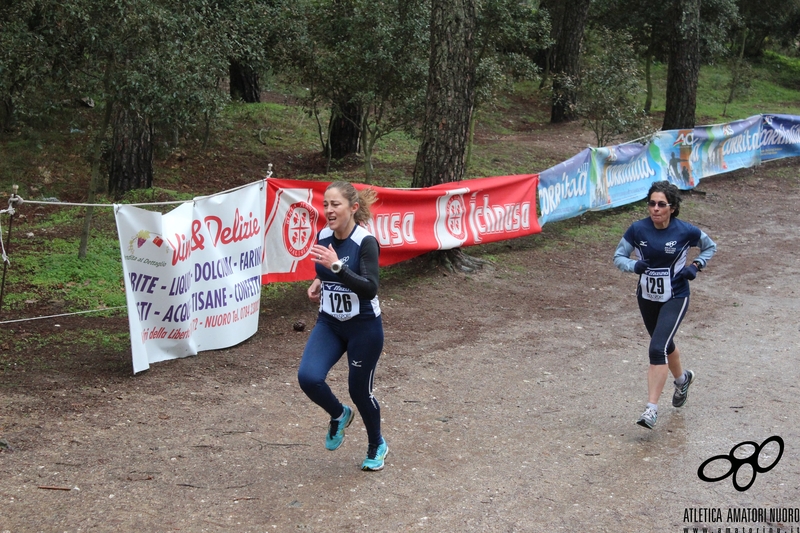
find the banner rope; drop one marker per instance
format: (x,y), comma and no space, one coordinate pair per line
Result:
(2,246)
(64,314)
(173,202)
(18,199)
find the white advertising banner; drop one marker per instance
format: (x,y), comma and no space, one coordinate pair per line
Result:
(193,275)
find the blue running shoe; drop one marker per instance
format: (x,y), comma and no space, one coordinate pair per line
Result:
(335,435)
(375,456)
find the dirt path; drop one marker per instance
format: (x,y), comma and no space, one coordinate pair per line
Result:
(508,397)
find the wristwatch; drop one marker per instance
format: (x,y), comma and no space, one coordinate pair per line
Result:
(336,267)
(695,263)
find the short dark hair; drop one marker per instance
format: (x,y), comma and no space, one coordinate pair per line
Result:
(670,191)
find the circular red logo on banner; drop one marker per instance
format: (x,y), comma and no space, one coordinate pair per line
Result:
(298,228)
(456,210)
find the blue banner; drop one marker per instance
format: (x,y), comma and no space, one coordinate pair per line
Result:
(600,178)
(726,147)
(675,149)
(622,174)
(780,137)
(563,189)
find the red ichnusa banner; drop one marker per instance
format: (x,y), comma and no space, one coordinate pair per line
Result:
(406,222)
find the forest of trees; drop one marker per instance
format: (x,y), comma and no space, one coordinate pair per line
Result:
(155,69)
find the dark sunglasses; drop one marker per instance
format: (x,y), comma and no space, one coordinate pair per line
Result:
(662,205)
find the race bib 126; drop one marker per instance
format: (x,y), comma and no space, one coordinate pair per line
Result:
(338,301)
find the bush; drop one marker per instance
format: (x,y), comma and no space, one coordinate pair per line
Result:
(609,88)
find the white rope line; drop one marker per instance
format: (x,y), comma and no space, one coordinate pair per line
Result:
(3,247)
(64,314)
(43,202)
(173,202)
(10,210)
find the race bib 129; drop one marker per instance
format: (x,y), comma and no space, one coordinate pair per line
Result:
(656,284)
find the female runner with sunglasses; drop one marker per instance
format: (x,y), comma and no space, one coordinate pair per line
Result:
(660,244)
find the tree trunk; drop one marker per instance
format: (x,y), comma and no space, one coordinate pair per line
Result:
(244,83)
(6,113)
(548,57)
(545,58)
(683,68)
(450,94)
(648,79)
(566,63)
(368,140)
(95,183)
(736,72)
(648,103)
(131,165)
(448,110)
(345,130)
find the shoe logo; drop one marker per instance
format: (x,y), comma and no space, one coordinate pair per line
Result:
(737,463)
(356,364)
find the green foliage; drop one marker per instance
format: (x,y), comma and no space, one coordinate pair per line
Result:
(650,28)
(786,70)
(55,274)
(610,87)
(162,59)
(510,35)
(719,20)
(372,56)
(770,23)
(765,95)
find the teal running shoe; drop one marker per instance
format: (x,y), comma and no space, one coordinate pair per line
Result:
(335,436)
(375,457)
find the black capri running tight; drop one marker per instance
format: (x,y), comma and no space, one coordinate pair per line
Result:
(662,320)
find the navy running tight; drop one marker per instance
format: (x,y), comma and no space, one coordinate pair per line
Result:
(329,340)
